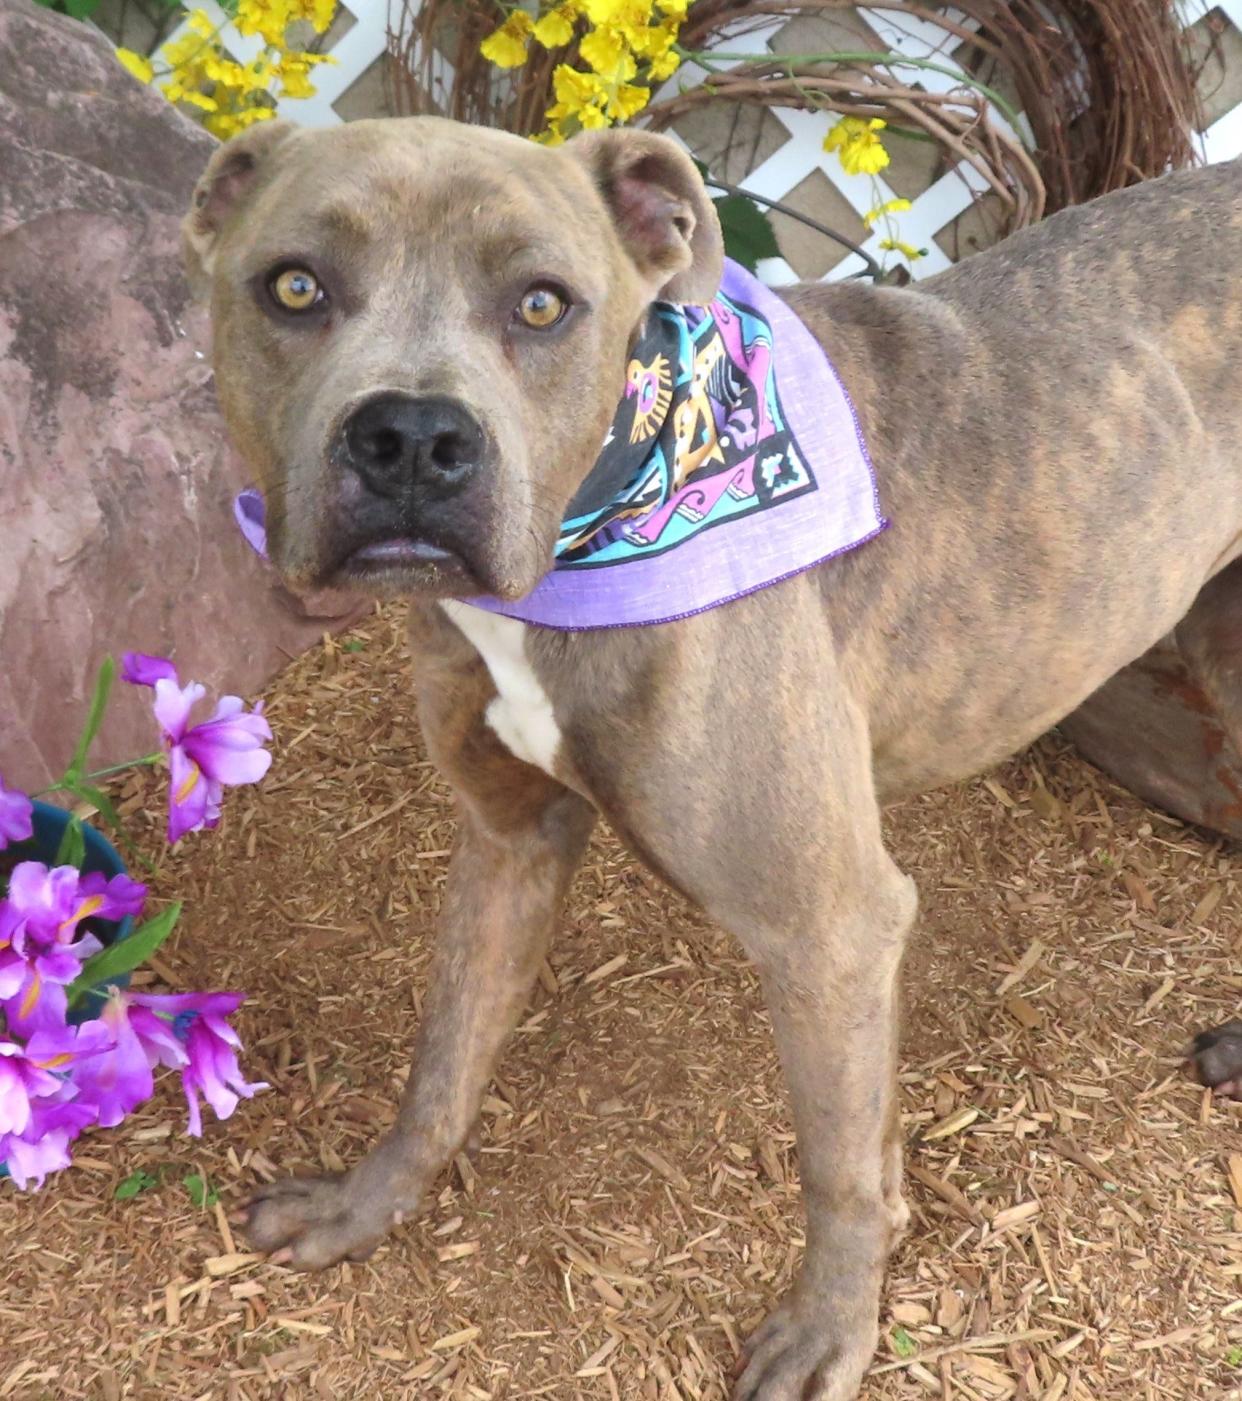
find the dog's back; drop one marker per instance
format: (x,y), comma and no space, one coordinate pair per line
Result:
(1039,415)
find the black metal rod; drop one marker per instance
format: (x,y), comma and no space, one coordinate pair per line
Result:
(874,270)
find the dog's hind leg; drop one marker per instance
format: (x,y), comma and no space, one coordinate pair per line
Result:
(1209,638)
(1210,641)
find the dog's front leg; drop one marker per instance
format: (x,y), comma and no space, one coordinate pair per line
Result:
(505,887)
(832,993)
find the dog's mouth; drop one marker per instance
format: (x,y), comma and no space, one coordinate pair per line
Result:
(406,564)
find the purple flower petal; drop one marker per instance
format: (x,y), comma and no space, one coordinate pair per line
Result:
(14,1092)
(188,795)
(44,897)
(213,1069)
(13,969)
(216,1004)
(16,816)
(120,1079)
(139,669)
(39,1004)
(58,964)
(30,1162)
(228,751)
(44,1147)
(159,1040)
(250,513)
(117,897)
(172,706)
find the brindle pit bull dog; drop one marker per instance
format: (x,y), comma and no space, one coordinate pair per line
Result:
(1056,427)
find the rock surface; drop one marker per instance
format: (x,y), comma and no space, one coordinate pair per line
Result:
(117,484)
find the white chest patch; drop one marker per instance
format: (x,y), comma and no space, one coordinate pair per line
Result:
(521,715)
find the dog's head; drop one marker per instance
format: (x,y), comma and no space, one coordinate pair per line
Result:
(421,332)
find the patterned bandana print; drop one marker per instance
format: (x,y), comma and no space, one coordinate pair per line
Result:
(719,475)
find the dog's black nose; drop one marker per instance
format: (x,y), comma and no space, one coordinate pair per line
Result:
(395,440)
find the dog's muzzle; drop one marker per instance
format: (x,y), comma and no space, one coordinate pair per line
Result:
(406,512)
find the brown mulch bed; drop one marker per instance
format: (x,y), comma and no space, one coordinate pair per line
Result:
(632,1209)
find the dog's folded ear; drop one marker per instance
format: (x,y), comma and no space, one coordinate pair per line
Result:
(666,221)
(231,175)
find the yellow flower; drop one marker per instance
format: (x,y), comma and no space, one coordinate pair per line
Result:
(319,12)
(603,11)
(241,78)
(574,89)
(555,28)
(267,18)
(861,150)
(605,51)
(506,46)
(656,45)
(293,70)
(881,211)
(665,66)
(907,250)
(579,97)
(176,90)
(226,124)
(138,64)
(184,51)
(626,101)
(674,9)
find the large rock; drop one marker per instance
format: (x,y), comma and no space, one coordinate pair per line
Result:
(116,482)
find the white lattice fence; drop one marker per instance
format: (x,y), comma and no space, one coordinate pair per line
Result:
(1222,141)
(800,152)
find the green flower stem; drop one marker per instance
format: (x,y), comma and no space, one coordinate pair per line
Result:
(883,60)
(63,786)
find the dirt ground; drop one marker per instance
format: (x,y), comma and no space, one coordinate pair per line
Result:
(632,1211)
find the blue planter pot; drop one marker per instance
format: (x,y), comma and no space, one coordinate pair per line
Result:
(101,856)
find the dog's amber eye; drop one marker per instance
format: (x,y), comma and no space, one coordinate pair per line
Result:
(296,289)
(542,307)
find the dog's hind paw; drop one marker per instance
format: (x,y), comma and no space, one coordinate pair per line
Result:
(313,1222)
(799,1354)
(1216,1056)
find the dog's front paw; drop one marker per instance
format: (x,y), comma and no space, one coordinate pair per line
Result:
(802,1353)
(1217,1059)
(314,1222)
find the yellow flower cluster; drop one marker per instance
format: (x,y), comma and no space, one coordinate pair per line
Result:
(857,143)
(627,46)
(197,71)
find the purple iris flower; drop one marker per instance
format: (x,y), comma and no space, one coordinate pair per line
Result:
(24,1077)
(206,758)
(39,1117)
(16,811)
(121,1079)
(40,947)
(55,1122)
(211,1046)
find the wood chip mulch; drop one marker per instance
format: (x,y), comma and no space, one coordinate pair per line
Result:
(631,1211)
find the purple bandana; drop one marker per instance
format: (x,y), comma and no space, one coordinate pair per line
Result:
(719,476)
